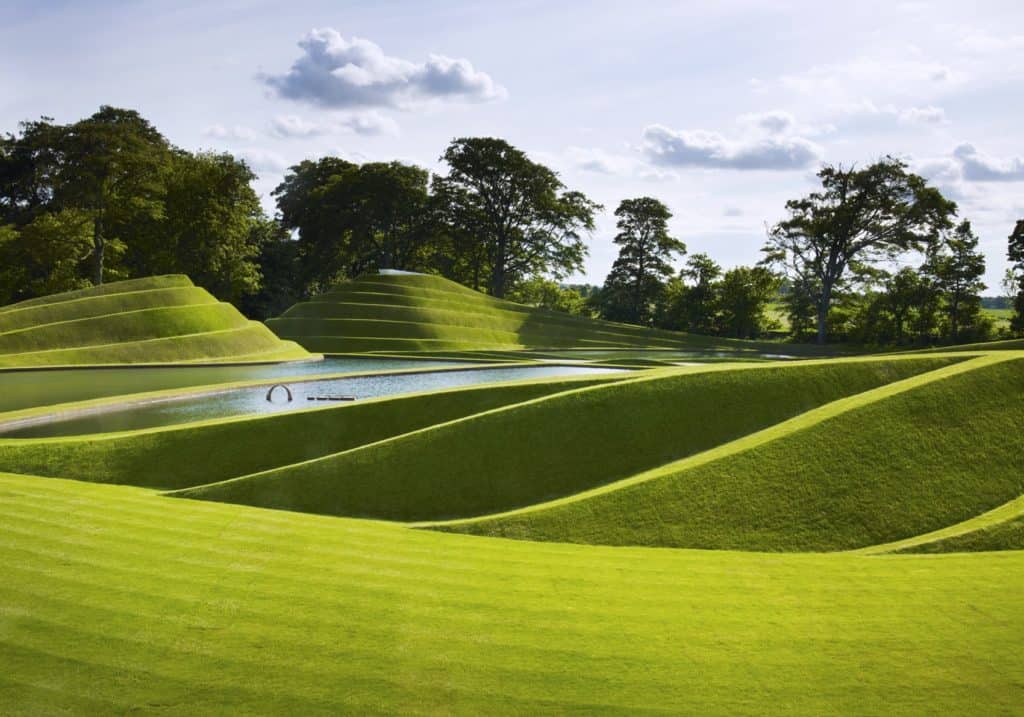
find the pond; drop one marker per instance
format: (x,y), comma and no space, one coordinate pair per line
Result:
(253,400)
(26,389)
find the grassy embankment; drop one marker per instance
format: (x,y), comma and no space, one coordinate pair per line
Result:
(428,313)
(162,319)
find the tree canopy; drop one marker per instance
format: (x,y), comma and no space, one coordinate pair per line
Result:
(517,211)
(860,217)
(646,248)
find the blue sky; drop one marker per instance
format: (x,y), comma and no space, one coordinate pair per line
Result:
(722,110)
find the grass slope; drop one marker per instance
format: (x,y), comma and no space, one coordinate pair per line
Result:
(163,319)
(198,453)
(116,601)
(882,467)
(429,313)
(1001,528)
(558,445)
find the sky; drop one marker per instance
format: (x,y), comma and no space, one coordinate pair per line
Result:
(722,110)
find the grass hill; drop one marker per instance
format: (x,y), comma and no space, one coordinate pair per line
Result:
(557,445)
(394,313)
(161,319)
(841,477)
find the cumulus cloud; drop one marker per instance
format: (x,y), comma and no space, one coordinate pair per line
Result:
(235,132)
(597,160)
(774,122)
(262,160)
(977,167)
(667,147)
(344,73)
(925,115)
(364,123)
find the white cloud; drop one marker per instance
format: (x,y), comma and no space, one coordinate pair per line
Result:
(903,74)
(983,43)
(337,72)
(667,147)
(597,160)
(977,167)
(262,160)
(364,123)
(774,122)
(235,132)
(924,115)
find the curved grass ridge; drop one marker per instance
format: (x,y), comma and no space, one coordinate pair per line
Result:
(225,448)
(162,319)
(895,462)
(1001,528)
(429,313)
(114,601)
(556,445)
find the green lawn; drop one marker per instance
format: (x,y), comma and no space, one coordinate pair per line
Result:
(116,600)
(556,546)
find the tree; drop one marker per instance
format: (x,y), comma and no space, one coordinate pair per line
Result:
(390,210)
(691,299)
(515,208)
(1015,253)
(45,255)
(912,300)
(205,228)
(743,298)
(548,294)
(323,250)
(956,266)
(859,218)
(637,277)
(110,165)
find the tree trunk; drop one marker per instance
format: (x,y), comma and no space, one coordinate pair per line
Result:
(498,271)
(823,306)
(98,246)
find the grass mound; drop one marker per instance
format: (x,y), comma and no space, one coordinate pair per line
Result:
(116,601)
(881,468)
(162,319)
(194,454)
(429,313)
(559,445)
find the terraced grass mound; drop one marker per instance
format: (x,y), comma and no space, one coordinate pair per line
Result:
(117,601)
(162,319)
(198,453)
(900,461)
(559,445)
(394,313)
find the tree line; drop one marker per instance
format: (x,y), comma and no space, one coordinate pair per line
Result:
(109,197)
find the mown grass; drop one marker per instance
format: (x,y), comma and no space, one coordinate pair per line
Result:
(556,446)
(897,465)
(198,453)
(415,313)
(116,601)
(156,320)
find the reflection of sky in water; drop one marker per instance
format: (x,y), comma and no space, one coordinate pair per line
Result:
(253,400)
(25,389)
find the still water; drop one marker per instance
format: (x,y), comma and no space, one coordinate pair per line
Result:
(253,400)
